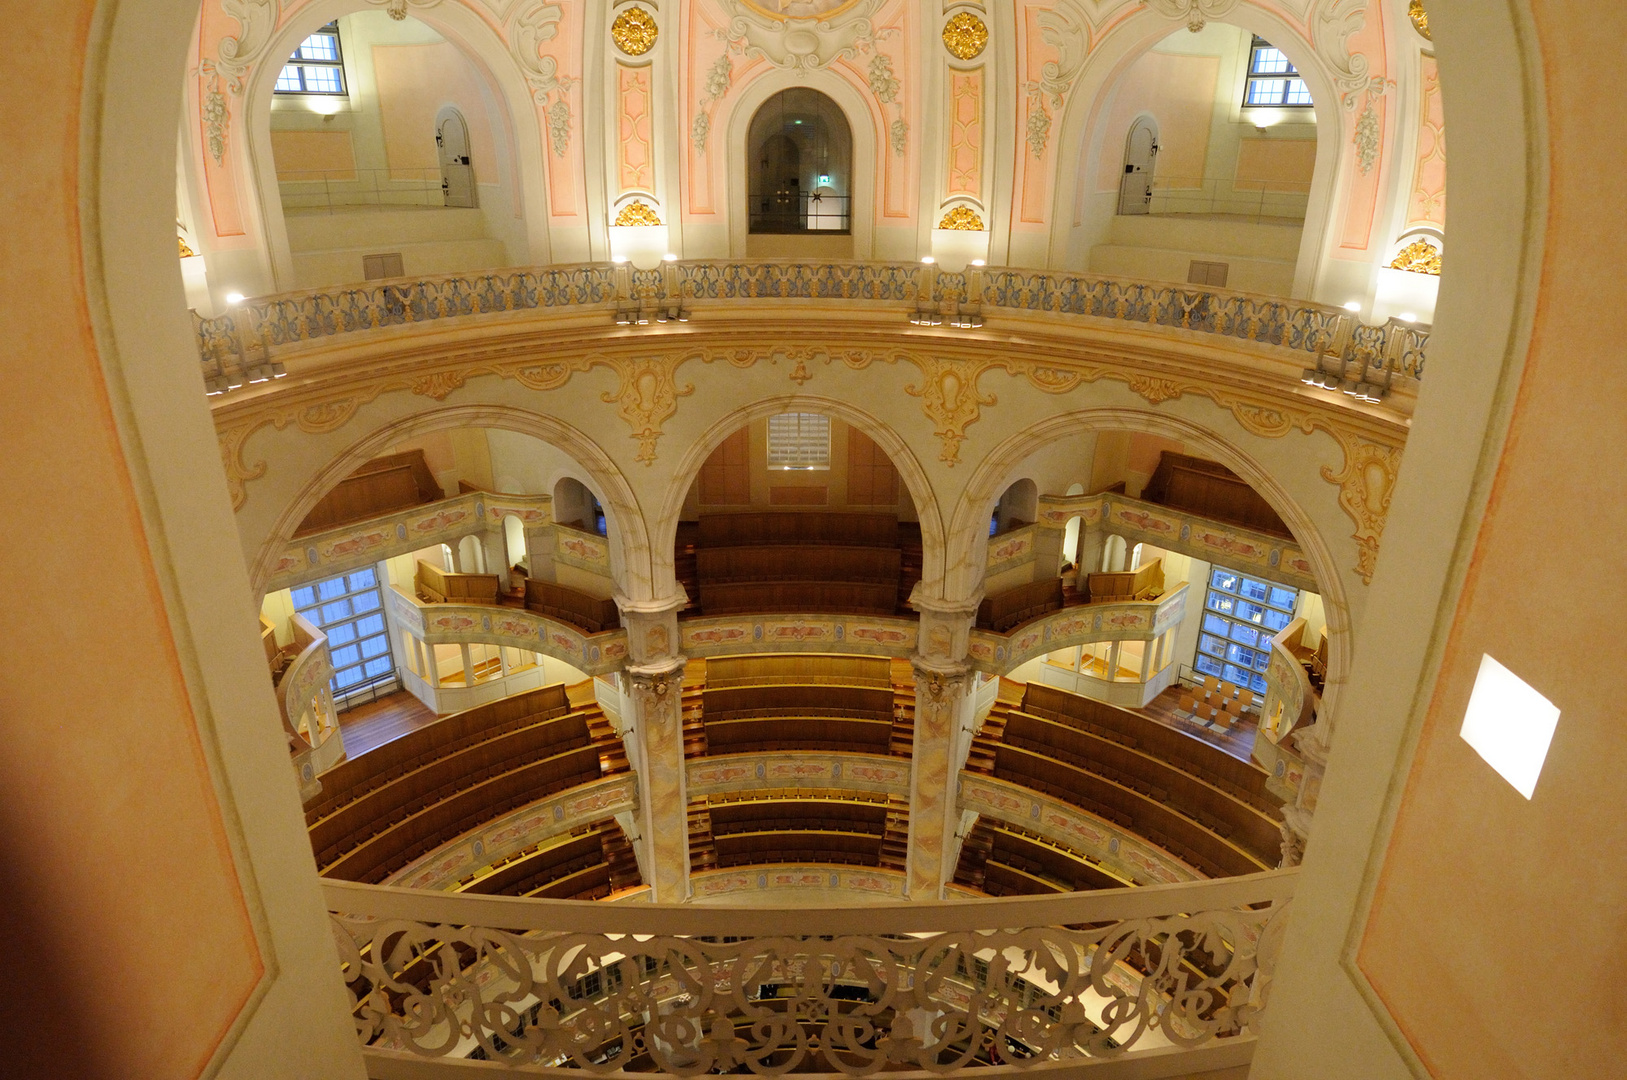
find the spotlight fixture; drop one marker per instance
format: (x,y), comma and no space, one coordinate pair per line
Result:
(265,371)
(1354,305)
(234,298)
(1320,379)
(669,257)
(618,259)
(979,262)
(926,314)
(928,259)
(672,313)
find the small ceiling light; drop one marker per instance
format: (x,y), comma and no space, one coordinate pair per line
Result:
(669,257)
(928,259)
(1354,305)
(978,262)
(1509,724)
(1407,316)
(234,298)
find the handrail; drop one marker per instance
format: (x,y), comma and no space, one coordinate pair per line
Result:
(307,671)
(925,916)
(250,336)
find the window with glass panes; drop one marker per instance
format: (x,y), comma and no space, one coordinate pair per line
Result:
(316,66)
(349,609)
(1272,78)
(799,440)
(1240,616)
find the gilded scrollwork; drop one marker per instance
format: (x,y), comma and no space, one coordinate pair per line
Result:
(646,396)
(634,31)
(1365,484)
(438,384)
(1418,257)
(1155,390)
(950,397)
(965,36)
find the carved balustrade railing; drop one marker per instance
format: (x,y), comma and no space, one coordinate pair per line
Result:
(678,990)
(245,343)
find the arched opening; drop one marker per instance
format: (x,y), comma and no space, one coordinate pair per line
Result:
(515,554)
(1113,555)
(471,558)
(388,151)
(798,511)
(1018,506)
(799,163)
(1231,124)
(576,507)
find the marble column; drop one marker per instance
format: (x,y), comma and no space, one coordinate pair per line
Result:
(942,710)
(653,731)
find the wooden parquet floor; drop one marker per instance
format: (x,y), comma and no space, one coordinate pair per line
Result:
(1238,742)
(368,727)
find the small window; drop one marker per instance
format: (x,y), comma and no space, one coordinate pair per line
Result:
(1273,81)
(317,66)
(799,441)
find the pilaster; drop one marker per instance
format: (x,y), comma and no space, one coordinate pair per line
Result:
(653,730)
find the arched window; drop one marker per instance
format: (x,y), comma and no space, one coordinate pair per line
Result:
(800,163)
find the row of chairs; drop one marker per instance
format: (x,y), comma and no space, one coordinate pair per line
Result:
(1224,715)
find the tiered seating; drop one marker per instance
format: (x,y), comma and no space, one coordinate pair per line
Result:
(382,486)
(1016,606)
(572,867)
(1017,863)
(817,827)
(590,613)
(1211,490)
(388,807)
(797,562)
(809,716)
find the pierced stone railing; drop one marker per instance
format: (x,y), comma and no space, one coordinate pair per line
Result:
(247,341)
(554,986)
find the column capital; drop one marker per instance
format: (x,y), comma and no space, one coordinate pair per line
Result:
(652,630)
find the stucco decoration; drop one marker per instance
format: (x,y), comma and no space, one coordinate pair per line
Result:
(1331,30)
(802,36)
(1195,13)
(718,79)
(634,31)
(1067,33)
(646,397)
(1419,17)
(397,9)
(949,395)
(637,212)
(1365,484)
(655,698)
(933,813)
(534,25)
(962,218)
(1418,257)
(965,36)
(234,55)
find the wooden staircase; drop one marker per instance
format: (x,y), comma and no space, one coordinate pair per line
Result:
(618,855)
(702,846)
(972,869)
(895,841)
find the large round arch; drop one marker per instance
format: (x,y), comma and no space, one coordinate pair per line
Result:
(630,557)
(664,529)
(478,43)
(863,123)
(969,528)
(1081,145)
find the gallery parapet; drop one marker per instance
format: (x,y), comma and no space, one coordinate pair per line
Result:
(247,342)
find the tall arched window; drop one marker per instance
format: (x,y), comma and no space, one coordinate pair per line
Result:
(800,164)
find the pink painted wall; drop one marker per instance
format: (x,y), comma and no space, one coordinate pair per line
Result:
(1427,203)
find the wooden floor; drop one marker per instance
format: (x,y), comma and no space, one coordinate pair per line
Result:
(368,727)
(1238,742)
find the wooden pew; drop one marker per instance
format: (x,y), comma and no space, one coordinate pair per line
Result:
(1211,490)
(590,613)
(1014,607)
(734,598)
(440,587)
(798,562)
(780,527)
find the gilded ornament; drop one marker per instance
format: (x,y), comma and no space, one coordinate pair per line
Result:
(1419,17)
(1418,257)
(637,212)
(634,31)
(186,252)
(965,36)
(963,219)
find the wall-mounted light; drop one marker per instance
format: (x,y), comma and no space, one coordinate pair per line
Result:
(1353,305)
(979,262)
(1509,725)
(669,257)
(234,298)
(1408,316)
(618,259)
(928,259)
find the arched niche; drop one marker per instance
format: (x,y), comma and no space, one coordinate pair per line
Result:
(864,124)
(1083,141)
(478,43)
(799,165)
(664,529)
(630,562)
(968,533)
(1018,506)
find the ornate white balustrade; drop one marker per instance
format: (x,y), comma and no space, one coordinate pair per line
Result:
(1176,974)
(306,703)
(243,344)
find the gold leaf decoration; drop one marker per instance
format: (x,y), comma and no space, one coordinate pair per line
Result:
(438,384)
(963,219)
(965,36)
(1155,390)
(1365,484)
(634,31)
(186,252)
(1418,257)
(950,397)
(636,213)
(1419,17)
(646,397)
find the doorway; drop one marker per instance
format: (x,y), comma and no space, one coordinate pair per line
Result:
(457,173)
(1140,150)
